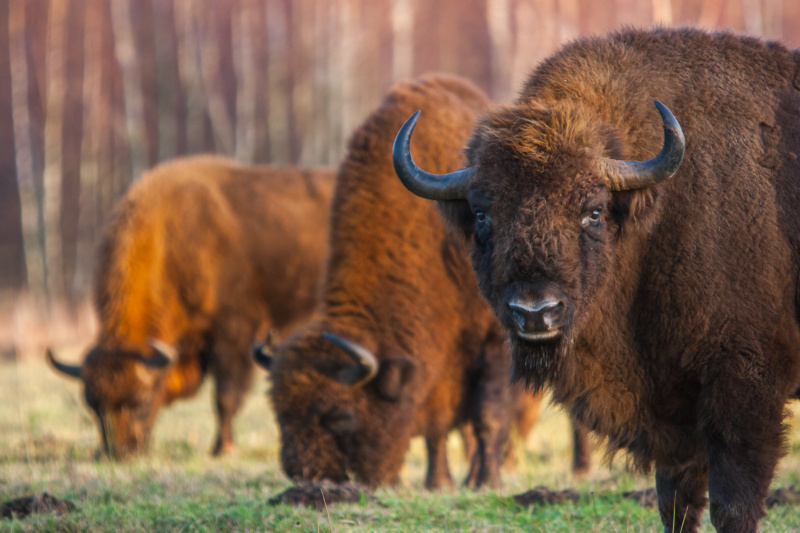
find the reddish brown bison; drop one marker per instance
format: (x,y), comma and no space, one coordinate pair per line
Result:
(659,298)
(202,256)
(403,343)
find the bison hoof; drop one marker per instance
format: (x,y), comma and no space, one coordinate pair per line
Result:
(224,449)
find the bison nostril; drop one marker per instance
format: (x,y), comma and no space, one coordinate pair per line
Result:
(519,319)
(536,316)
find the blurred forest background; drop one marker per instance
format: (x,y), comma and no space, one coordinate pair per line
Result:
(94,92)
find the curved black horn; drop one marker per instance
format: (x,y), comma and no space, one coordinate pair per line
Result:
(73,371)
(451,186)
(263,353)
(165,354)
(366,366)
(628,175)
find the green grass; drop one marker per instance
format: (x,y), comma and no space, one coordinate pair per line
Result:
(47,440)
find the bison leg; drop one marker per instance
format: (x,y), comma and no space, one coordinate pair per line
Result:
(438,476)
(581,450)
(744,439)
(681,497)
(233,375)
(492,402)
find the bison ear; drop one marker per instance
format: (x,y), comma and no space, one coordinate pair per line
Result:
(163,356)
(264,353)
(458,216)
(395,373)
(636,208)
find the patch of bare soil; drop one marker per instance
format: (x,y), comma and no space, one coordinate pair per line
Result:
(22,507)
(783,496)
(321,493)
(646,498)
(545,496)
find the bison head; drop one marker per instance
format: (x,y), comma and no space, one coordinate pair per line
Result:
(123,390)
(342,413)
(545,200)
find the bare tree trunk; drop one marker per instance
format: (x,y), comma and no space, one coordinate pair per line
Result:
(166,61)
(243,31)
(536,37)
(29,201)
(662,12)
(125,51)
(403,38)
(90,149)
(324,80)
(569,20)
(498,14)
(190,76)
(336,96)
(773,19)
(349,41)
(753,18)
(278,80)
(710,13)
(53,145)
(303,81)
(209,45)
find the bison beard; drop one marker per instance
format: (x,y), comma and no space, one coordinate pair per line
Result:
(684,273)
(538,365)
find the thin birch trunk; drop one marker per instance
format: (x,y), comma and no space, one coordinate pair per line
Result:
(208,47)
(278,105)
(20,112)
(125,52)
(303,82)
(569,20)
(166,61)
(90,148)
(190,76)
(243,32)
(336,133)
(710,13)
(323,78)
(662,12)
(753,18)
(349,41)
(498,15)
(402,16)
(773,19)
(53,149)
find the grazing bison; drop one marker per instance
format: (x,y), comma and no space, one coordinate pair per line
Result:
(403,343)
(202,256)
(652,282)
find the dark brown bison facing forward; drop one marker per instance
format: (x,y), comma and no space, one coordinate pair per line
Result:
(202,256)
(403,344)
(661,308)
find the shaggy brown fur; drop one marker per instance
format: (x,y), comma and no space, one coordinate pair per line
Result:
(680,342)
(400,285)
(203,255)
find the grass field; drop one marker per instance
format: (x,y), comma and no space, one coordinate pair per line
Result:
(47,441)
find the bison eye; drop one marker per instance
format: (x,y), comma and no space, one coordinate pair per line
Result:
(482,226)
(592,218)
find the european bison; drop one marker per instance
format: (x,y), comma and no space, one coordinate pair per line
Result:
(202,256)
(403,343)
(659,299)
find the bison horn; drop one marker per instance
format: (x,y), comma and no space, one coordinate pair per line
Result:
(451,186)
(73,371)
(628,175)
(360,373)
(165,354)
(263,353)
